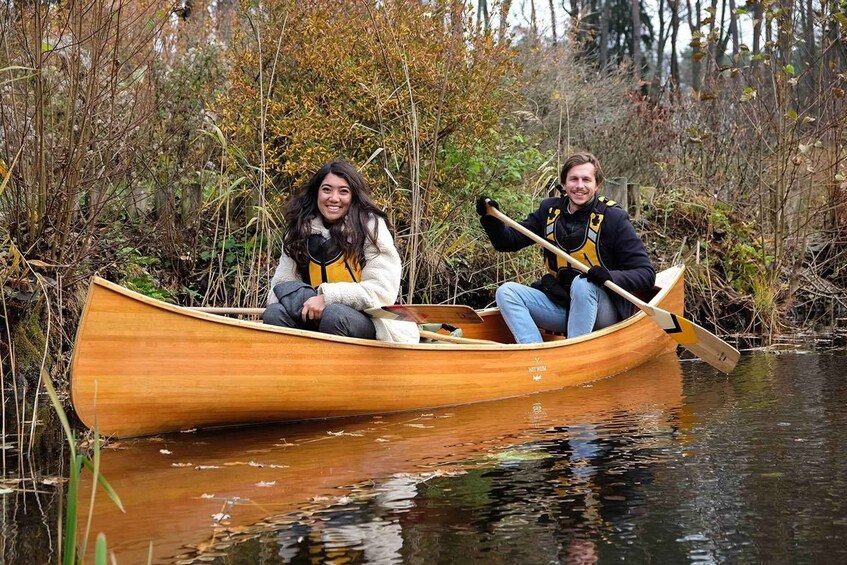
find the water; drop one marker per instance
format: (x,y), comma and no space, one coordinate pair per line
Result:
(670,463)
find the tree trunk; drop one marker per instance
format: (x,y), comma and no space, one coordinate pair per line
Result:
(533,21)
(553,22)
(812,68)
(694,19)
(604,33)
(636,38)
(733,30)
(656,84)
(482,14)
(674,74)
(504,16)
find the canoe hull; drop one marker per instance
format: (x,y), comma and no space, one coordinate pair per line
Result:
(141,366)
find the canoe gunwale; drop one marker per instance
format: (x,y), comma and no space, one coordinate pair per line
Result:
(671,276)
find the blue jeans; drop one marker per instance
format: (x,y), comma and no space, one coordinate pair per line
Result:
(526,309)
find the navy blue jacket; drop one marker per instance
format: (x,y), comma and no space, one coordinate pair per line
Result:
(621,250)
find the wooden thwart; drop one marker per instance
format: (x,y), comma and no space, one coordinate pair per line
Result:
(418,313)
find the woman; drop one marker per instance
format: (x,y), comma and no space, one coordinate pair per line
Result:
(338,259)
(595,231)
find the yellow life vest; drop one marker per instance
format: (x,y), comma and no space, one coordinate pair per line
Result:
(327,263)
(580,246)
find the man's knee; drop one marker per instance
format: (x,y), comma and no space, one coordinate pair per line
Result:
(581,287)
(506,292)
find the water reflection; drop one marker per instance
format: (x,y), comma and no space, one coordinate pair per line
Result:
(548,469)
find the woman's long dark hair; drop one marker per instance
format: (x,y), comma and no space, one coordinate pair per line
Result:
(349,233)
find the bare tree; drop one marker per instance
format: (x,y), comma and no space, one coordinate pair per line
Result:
(674,71)
(505,6)
(482,14)
(656,84)
(636,37)
(604,33)
(694,23)
(553,22)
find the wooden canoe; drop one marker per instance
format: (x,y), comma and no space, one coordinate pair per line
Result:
(141,366)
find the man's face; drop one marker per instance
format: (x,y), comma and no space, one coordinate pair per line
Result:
(580,185)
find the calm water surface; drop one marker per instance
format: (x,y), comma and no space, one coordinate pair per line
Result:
(671,463)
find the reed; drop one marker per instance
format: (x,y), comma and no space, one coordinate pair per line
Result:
(74,548)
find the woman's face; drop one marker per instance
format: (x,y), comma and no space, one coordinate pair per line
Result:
(334,197)
(580,184)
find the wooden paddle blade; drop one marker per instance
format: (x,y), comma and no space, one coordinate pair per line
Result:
(427,313)
(699,341)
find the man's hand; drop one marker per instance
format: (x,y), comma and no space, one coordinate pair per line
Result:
(481,207)
(598,275)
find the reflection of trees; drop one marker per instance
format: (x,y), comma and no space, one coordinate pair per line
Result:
(555,495)
(764,471)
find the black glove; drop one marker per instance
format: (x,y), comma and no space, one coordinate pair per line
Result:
(480,205)
(598,275)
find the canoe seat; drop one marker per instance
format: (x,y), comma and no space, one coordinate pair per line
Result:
(547,335)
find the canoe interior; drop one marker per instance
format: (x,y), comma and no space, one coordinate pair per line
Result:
(142,367)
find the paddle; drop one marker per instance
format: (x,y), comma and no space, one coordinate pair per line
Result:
(417,313)
(699,341)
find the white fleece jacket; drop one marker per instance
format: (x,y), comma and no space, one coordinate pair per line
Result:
(380,284)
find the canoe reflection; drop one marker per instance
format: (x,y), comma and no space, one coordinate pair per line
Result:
(186,493)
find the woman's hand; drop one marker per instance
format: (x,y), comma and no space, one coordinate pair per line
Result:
(313,308)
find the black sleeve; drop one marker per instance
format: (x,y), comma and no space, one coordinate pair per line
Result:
(504,238)
(628,261)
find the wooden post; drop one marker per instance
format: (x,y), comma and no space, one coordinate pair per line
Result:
(633,192)
(615,188)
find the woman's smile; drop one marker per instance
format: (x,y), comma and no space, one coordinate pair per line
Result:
(334,197)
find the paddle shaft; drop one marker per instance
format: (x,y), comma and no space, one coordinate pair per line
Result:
(492,211)
(453,339)
(709,347)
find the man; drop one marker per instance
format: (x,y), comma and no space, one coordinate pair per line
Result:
(594,231)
